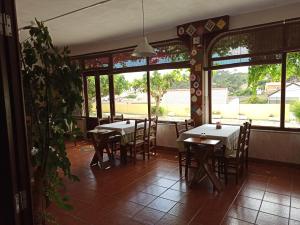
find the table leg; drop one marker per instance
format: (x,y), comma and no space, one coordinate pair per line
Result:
(203,166)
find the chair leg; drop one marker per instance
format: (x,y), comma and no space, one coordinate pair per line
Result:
(186,171)
(237,174)
(246,159)
(148,149)
(180,165)
(225,172)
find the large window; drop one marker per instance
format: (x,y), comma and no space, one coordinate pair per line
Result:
(91,91)
(120,83)
(104,91)
(250,92)
(255,74)
(292,91)
(170,94)
(130,90)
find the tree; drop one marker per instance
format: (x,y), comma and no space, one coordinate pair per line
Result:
(160,84)
(120,85)
(52,91)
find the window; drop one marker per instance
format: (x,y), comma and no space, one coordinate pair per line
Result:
(131,94)
(104,92)
(130,78)
(91,89)
(125,60)
(292,91)
(250,92)
(170,94)
(258,78)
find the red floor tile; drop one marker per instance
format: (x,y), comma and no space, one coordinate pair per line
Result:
(151,192)
(268,219)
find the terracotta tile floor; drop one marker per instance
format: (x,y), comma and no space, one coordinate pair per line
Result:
(151,192)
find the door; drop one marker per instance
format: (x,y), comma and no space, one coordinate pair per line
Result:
(15,193)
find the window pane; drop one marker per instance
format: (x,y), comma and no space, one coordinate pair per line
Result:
(131,94)
(170,94)
(243,93)
(99,62)
(292,91)
(91,96)
(104,90)
(174,51)
(125,60)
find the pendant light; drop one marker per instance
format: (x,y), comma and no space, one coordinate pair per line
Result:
(144,49)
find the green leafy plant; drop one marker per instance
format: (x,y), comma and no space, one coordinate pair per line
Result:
(52,91)
(160,84)
(295,108)
(158,111)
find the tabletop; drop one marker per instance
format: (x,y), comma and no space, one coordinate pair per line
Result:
(122,127)
(228,134)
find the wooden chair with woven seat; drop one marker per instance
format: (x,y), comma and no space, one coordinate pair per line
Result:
(117,118)
(190,124)
(232,160)
(180,128)
(137,145)
(102,121)
(151,136)
(246,149)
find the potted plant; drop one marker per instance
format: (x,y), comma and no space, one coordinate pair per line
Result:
(52,91)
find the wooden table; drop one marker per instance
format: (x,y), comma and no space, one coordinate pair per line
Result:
(227,135)
(126,130)
(203,148)
(100,141)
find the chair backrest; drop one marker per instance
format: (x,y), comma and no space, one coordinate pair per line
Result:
(117,118)
(248,131)
(241,143)
(152,128)
(104,120)
(140,130)
(180,128)
(189,124)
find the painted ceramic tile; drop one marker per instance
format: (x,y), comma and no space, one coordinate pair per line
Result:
(181,31)
(193,62)
(191,30)
(194,52)
(196,40)
(193,91)
(210,25)
(194,98)
(196,84)
(193,77)
(221,24)
(198,93)
(199,111)
(198,67)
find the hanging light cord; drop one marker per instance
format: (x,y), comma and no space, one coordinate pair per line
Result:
(71,12)
(143,18)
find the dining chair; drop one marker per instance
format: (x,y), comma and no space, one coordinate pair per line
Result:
(247,140)
(151,136)
(231,162)
(181,127)
(102,121)
(190,124)
(137,145)
(117,118)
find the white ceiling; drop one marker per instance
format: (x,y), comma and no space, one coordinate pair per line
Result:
(123,18)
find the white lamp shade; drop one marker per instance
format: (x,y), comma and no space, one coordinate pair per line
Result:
(144,49)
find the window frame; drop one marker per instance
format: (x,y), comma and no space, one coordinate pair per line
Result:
(110,71)
(283,61)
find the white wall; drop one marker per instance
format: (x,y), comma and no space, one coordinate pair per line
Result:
(269,145)
(236,21)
